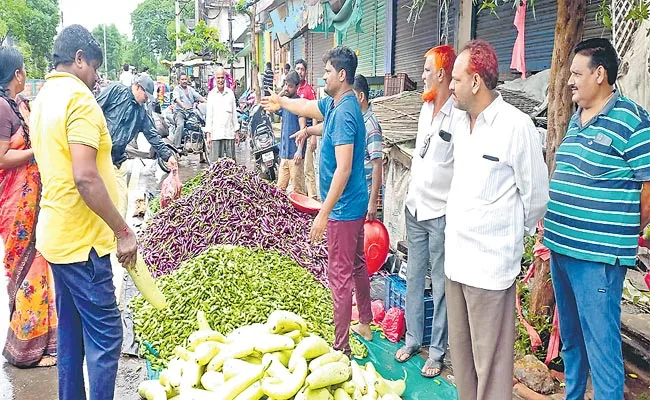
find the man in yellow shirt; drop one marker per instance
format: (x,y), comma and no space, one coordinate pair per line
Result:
(78,224)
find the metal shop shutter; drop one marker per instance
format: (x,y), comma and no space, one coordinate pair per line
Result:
(593,27)
(501,33)
(411,44)
(297,50)
(370,41)
(317,45)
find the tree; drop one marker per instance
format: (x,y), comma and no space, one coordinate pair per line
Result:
(202,41)
(32,24)
(115,48)
(150,20)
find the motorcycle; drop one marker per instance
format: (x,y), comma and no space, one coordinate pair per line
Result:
(162,128)
(245,103)
(263,146)
(193,139)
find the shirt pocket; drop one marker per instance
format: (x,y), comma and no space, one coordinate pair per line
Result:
(488,177)
(442,149)
(596,156)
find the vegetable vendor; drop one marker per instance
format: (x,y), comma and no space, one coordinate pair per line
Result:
(343,188)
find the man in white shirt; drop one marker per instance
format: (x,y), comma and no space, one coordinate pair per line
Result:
(221,119)
(498,192)
(126,77)
(426,201)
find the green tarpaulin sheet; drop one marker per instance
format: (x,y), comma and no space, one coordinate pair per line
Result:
(381,352)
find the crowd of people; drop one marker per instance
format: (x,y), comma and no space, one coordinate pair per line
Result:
(478,184)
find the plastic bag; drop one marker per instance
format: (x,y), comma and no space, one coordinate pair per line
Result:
(171,188)
(378,311)
(394,324)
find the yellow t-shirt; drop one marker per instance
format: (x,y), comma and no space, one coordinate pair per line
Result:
(65,112)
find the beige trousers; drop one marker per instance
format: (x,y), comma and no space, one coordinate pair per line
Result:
(310,174)
(290,171)
(481,339)
(122,188)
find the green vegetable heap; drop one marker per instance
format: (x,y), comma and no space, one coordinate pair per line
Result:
(234,286)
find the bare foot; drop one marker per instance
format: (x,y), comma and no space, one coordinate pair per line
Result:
(47,361)
(363,330)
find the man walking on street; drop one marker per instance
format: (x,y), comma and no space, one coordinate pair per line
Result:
(426,201)
(184,99)
(305,91)
(291,155)
(373,155)
(126,116)
(600,201)
(268,78)
(343,186)
(221,119)
(498,193)
(78,223)
(126,77)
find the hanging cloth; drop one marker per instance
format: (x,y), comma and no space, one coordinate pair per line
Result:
(519,50)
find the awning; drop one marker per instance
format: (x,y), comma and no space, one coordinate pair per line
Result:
(248,49)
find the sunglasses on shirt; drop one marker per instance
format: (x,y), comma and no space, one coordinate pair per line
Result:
(444,135)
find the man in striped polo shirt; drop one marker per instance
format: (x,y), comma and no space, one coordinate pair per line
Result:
(599,202)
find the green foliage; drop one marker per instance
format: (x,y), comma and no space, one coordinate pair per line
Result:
(32,23)
(115,48)
(150,20)
(241,8)
(202,40)
(543,324)
(529,256)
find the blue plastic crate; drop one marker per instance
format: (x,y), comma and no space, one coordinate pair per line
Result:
(396,297)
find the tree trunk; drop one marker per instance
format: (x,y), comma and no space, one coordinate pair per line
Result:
(568,32)
(254,66)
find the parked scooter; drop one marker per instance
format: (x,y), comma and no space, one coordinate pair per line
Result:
(263,146)
(193,139)
(246,102)
(132,150)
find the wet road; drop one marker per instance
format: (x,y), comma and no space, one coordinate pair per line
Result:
(41,383)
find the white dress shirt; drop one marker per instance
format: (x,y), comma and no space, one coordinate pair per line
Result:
(498,193)
(431,175)
(221,118)
(126,78)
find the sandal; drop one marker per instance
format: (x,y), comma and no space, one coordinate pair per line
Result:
(408,351)
(431,365)
(47,361)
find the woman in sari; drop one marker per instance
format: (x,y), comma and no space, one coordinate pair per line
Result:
(31,340)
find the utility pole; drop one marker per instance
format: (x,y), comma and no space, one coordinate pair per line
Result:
(105,58)
(178,30)
(197,12)
(256,86)
(230,43)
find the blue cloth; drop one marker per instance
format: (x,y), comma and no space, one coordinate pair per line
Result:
(89,325)
(343,124)
(588,296)
(290,126)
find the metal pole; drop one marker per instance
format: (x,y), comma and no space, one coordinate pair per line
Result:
(230,43)
(178,30)
(197,14)
(105,57)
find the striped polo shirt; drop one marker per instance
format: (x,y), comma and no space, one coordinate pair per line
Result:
(373,143)
(595,191)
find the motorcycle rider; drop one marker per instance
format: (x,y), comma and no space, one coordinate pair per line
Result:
(126,116)
(184,97)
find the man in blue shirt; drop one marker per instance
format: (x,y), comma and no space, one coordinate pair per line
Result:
(343,187)
(291,165)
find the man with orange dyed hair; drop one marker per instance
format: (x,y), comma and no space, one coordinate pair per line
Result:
(499,192)
(426,202)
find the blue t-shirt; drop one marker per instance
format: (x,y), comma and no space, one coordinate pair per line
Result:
(343,124)
(290,126)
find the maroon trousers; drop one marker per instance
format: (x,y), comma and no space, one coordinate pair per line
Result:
(347,270)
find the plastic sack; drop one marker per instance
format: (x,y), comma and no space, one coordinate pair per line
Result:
(170,188)
(378,311)
(647,279)
(394,324)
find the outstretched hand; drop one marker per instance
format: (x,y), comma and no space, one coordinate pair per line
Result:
(271,103)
